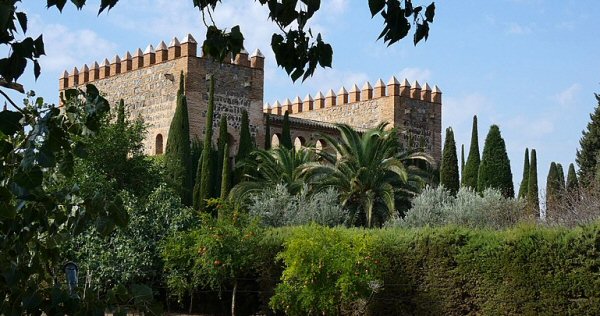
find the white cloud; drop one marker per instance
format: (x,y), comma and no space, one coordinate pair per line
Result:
(412,74)
(567,97)
(66,47)
(518,29)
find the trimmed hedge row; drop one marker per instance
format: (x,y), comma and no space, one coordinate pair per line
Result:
(527,270)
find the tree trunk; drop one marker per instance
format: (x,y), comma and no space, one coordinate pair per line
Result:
(191,302)
(235,284)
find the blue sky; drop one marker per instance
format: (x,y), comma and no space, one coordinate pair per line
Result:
(530,66)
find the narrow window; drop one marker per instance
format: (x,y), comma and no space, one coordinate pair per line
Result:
(158,145)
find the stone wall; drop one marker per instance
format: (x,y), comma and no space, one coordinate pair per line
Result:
(148,83)
(416,112)
(148,94)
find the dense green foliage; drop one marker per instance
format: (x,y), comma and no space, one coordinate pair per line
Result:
(178,152)
(494,169)
(276,207)
(438,207)
(449,177)
(39,146)
(572,183)
(114,160)
(131,255)
(286,134)
(471,171)
(525,182)
(223,250)
(320,275)
(207,172)
(590,147)
(370,172)
(553,190)
(429,271)
(533,200)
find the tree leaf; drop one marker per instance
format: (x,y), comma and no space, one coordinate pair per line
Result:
(22,18)
(37,70)
(421,32)
(107,4)
(30,179)
(60,4)
(430,12)
(10,122)
(375,6)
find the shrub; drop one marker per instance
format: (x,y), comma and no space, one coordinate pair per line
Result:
(214,256)
(131,254)
(277,207)
(437,207)
(576,207)
(327,271)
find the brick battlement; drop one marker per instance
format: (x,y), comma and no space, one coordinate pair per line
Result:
(151,56)
(331,99)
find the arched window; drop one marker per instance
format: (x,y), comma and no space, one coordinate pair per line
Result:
(275,141)
(320,145)
(158,145)
(299,142)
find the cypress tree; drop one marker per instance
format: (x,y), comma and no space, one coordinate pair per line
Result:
(245,147)
(225,174)
(268,132)
(533,201)
(462,162)
(590,145)
(561,176)
(572,183)
(197,181)
(449,166)
(195,152)
(472,166)
(221,142)
(525,181)
(121,113)
(494,169)
(552,190)
(177,151)
(205,179)
(286,135)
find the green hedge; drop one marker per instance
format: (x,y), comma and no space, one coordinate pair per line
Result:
(527,270)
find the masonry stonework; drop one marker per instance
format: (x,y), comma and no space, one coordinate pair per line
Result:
(148,82)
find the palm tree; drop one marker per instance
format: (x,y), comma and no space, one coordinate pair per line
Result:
(370,171)
(271,167)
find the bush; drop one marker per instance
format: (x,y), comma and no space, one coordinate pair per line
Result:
(437,207)
(328,270)
(451,270)
(131,254)
(575,207)
(277,207)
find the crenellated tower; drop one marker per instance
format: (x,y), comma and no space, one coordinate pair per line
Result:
(148,82)
(414,110)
